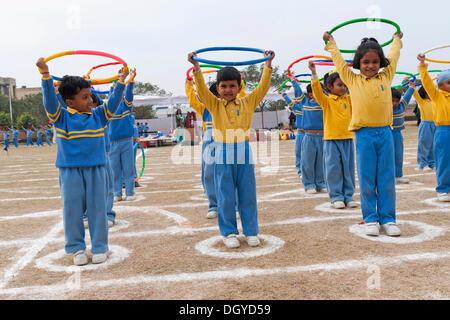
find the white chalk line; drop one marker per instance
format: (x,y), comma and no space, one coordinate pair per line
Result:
(236,273)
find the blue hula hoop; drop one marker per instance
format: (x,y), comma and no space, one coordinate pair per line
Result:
(225,63)
(99,92)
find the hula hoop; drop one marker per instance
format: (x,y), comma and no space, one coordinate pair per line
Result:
(297,76)
(225,63)
(417,74)
(189,77)
(364,20)
(143,159)
(405,73)
(88,52)
(323,63)
(435,48)
(306,58)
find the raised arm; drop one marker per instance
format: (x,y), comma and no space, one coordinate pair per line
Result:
(115,98)
(51,103)
(256,96)
(194,101)
(320,97)
(393,56)
(427,83)
(407,96)
(345,73)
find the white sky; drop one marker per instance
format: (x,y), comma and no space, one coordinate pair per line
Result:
(155,36)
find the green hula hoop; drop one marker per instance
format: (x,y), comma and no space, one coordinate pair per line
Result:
(364,20)
(289,80)
(405,73)
(143,159)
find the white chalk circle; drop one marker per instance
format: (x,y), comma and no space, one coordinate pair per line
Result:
(271,244)
(435,202)
(429,232)
(129,202)
(116,255)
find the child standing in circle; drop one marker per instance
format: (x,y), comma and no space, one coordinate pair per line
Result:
(440,98)
(338,148)
(427,128)
(372,116)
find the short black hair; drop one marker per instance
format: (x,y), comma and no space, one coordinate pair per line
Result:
(71,85)
(423,93)
(213,89)
(330,79)
(309,88)
(228,74)
(369,44)
(396,94)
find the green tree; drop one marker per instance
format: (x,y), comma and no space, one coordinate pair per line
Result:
(5,119)
(26,120)
(143,88)
(144,112)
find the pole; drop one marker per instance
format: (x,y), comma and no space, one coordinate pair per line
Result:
(262,114)
(10,105)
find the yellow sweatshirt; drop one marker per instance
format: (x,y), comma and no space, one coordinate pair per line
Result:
(440,99)
(425,107)
(371,97)
(232,120)
(337,113)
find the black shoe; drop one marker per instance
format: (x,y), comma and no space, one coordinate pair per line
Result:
(136,184)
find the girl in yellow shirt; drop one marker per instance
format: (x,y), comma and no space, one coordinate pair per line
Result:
(372,116)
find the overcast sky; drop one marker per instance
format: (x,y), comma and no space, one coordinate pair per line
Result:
(156,35)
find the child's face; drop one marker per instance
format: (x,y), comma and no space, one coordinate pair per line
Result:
(338,88)
(370,64)
(445,85)
(228,90)
(310,95)
(82,101)
(395,102)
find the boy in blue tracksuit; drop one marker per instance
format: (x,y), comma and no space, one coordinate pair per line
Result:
(48,135)
(297,108)
(399,108)
(29,133)
(121,153)
(39,134)
(81,159)
(6,136)
(15,136)
(312,165)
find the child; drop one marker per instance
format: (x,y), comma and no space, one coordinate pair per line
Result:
(121,153)
(440,98)
(297,108)
(30,133)
(427,128)
(234,166)
(312,144)
(40,133)
(15,135)
(48,134)
(399,109)
(81,159)
(6,136)
(372,117)
(338,148)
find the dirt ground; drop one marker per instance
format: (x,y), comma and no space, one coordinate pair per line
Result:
(164,247)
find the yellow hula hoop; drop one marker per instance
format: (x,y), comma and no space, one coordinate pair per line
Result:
(435,48)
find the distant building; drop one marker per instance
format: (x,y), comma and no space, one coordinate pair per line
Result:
(24,91)
(4,86)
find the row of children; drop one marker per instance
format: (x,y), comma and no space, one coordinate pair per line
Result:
(329,120)
(39,131)
(95,156)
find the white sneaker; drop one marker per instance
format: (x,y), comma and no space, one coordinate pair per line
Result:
(80,258)
(231,241)
(311,191)
(130,198)
(99,258)
(253,241)
(323,190)
(352,204)
(111,223)
(117,198)
(444,197)
(211,214)
(428,169)
(401,180)
(338,204)
(372,228)
(391,229)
